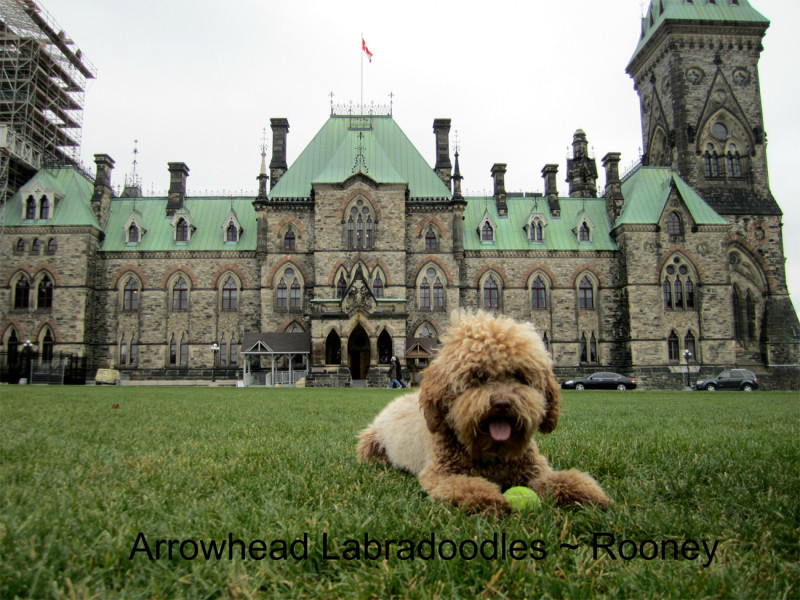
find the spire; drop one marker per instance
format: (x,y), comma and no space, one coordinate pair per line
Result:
(133,183)
(262,176)
(456,178)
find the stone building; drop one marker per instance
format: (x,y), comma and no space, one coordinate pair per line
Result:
(366,249)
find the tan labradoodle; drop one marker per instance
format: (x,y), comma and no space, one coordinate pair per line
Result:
(468,433)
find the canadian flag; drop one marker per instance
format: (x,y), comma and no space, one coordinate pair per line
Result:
(365,49)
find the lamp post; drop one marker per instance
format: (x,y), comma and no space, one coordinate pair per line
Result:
(214,350)
(27,346)
(686,356)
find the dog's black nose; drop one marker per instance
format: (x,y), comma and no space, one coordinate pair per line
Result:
(501,404)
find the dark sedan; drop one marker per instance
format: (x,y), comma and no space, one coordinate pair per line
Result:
(601,381)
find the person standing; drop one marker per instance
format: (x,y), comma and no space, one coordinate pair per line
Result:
(393,373)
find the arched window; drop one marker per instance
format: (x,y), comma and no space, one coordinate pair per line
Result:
(134,350)
(341,287)
(424,294)
(667,290)
(734,162)
(51,245)
(12,347)
(585,293)
(232,233)
(30,209)
(370,237)
(282,294)
(36,246)
(230,295)
(360,232)
(584,235)
(584,349)
(47,346)
(20,245)
(538,294)
(673,345)
(491,294)
(438,294)
(711,161)
(425,332)
(751,317)
(351,233)
(294,299)
(384,347)
(737,315)
(44,210)
(223,351)
(130,296)
(430,240)
(184,351)
(674,225)
(333,349)
(377,286)
(593,349)
(133,233)
(45,296)
(173,351)
(688,344)
(678,294)
(289,240)
(182,231)
(123,351)
(180,295)
(487,233)
(234,350)
(689,293)
(22,293)
(537,232)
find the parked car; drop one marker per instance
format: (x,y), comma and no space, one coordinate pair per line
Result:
(733,379)
(601,381)
(107,376)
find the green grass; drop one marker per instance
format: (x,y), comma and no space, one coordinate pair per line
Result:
(79,480)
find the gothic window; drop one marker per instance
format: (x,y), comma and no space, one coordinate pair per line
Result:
(688,344)
(44,211)
(673,346)
(184,351)
(425,332)
(22,293)
(360,232)
(593,349)
(667,289)
(487,233)
(20,245)
(384,347)
(51,246)
(133,233)
(123,351)
(430,240)
(369,232)
(546,342)
(438,294)
(282,294)
(294,299)
(12,347)
(585,293)
(180,295)
(584,357)
(737,315)
(223,351)
(361,225)
(333,349)
(584,234)
(734,162)
(230,295)
(689,293)
(341,287)
(377,286)
(234,350)
(491,294)
(289,241)
(232,233)
(751,316)
(130,296)
(173,351)
(711,161)
(678,289)
(538,294)
(45,295)
(134,350)
(674,225)
(30,209)
(182,231)
(47,346)
(425,294)
(537,231)
(351,233)
(36,246)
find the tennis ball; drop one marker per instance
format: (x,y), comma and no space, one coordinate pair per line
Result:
(522,498)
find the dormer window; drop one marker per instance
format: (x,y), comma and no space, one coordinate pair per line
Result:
(30,209)
(487,233)
(44,210)
(584,233)
(182,231)
(536,225)
(133,234)
(232,233)
(674,225)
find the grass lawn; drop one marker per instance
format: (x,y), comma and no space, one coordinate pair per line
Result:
(79,481)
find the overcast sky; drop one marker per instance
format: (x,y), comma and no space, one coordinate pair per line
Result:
(197,81)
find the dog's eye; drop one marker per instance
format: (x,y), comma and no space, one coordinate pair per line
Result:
(520,377)
(479,379)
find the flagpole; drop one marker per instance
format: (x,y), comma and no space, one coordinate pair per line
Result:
(362,69)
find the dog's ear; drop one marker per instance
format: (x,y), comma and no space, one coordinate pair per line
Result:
(552,393)
(431,397)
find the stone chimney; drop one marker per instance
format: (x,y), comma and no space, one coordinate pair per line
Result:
(443,168)
(178,172)
(581,169)
(499,176)
(101,199)
(550,190)
(278,166)
(615,201)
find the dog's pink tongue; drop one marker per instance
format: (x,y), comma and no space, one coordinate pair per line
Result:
(500,430)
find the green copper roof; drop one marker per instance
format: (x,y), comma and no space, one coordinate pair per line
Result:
(559,234)
(695,10)
(206,215)
(74,208)
(374,146)
(646,193)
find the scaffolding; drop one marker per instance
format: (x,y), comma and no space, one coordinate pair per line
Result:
(42,85)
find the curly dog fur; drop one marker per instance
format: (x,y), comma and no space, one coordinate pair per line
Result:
(468,433)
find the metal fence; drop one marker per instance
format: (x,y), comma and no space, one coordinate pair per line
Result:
(29,367)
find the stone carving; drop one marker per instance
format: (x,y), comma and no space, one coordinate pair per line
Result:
(695,75)
(358,296)
(741,76)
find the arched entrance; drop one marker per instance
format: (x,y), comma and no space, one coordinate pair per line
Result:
(358,352)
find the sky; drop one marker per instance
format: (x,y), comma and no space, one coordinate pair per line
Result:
(197,81)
